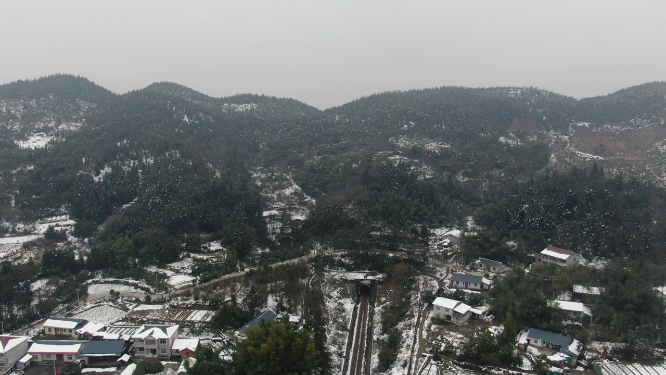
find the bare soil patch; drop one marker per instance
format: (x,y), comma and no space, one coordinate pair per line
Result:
(525,124)
(626,144)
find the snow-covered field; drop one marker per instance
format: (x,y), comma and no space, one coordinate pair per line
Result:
(104,314)
(97,288)
(11,247)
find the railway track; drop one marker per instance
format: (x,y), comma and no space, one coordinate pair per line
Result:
(358,351)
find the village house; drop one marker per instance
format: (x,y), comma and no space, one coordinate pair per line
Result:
(460,280)
(54,326)
(154,341)
(574,310)
(58,351)
(184,348)
(103,353)
(560,257)
(12,349)
(451,310)
(568,349)
(487,265)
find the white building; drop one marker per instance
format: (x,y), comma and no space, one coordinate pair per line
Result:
(555,255)
(58,351)
(155,340)
(54,326)
(12,349)
(451,310)
(472,282)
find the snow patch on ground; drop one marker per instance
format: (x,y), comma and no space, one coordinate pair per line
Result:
(36,140)
(98,288)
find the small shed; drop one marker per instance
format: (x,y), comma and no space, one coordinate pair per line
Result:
(24,362)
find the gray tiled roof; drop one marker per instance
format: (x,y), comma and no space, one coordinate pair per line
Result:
(550,337)
(467,278)
(490,262)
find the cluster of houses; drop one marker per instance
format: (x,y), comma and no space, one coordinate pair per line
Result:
(560,350)
(93,344)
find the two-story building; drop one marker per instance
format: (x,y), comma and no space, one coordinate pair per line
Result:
(451,310)
(12,349)
(472,282)
(154,341)
(560,257)
(54,326)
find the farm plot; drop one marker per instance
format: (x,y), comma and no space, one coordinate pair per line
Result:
(171,315)
(632,369)
(104,314)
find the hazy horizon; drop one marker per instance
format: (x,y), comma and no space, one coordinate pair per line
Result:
(326,55)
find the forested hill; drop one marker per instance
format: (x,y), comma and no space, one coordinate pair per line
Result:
(152,172)
(60,86)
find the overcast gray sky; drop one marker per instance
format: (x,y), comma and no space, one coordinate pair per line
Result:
(329,53)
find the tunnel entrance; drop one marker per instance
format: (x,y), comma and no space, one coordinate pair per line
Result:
(367,286)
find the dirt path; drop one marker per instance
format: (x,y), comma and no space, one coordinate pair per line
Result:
(421,340)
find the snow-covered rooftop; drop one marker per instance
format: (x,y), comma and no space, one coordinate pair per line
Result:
(571,306)
(591,290)
(8,342)
(445,302)
(158,331)
(462,308)
(62,323)
(91,328)
(38,348)
(181,344)
(555,255)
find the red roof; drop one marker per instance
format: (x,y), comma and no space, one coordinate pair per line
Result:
(558,250)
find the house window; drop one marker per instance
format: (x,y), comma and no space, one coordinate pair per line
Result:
(150,342)
(474,284)
(48,356)
(163,350)
(162,341)
(140,349)
(139,340)
(69,357)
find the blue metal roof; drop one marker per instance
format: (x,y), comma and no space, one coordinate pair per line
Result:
(267,315)
(467,278)
(550,337)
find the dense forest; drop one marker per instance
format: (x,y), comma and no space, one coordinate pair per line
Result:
(153,173)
